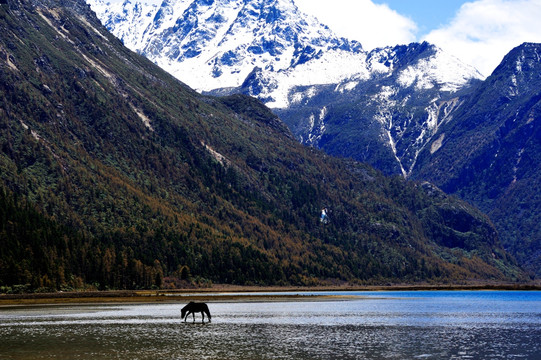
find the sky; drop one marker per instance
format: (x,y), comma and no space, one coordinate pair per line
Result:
(478,32)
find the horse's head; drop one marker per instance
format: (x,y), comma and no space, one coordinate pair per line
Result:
(185,309)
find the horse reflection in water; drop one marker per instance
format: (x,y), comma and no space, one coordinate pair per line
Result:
(194,307)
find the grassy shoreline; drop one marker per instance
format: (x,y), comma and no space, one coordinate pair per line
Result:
(228,293)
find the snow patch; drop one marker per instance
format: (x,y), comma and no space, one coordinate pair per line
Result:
(323,113)
(312,122)
(393,148)
(299,96)
(517,163)
(315,133)
(439,69)
(530,119)
(347,86)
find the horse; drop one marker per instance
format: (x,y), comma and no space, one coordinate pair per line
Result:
(194,307)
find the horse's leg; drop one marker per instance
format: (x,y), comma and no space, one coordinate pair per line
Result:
(202,316)
(193,314)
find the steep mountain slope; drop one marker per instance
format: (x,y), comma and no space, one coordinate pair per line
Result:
(490,154)
(116,174)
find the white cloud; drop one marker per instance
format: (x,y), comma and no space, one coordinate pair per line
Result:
(371,24)
(483,31)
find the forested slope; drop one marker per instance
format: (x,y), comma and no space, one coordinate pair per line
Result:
(116,175)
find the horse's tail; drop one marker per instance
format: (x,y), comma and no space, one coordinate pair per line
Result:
(208,312)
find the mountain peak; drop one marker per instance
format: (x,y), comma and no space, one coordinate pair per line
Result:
(518,74)
(217,44)
(230,44)
(428,66)
(526,53)
(521,61)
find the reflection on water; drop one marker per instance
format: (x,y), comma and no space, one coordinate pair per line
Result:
(398,325)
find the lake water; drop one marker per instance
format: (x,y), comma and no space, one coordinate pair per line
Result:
(377,325)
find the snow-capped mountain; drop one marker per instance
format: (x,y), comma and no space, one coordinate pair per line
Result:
(221,44)
(128,21)
(217,44)
(388,118)
(299,67)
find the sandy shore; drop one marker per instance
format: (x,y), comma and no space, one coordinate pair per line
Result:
(155,297)
(230,293)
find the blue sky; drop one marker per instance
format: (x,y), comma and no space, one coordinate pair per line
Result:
(427,14)
(479,32)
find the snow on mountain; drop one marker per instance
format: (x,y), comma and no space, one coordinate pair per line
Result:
(217,44)
(127,20)
(289,60)
(442,69)
(221,44)
(387,118)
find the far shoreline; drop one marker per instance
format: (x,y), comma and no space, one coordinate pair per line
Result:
(233,293)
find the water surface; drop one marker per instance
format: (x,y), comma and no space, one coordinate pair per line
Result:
(377,325)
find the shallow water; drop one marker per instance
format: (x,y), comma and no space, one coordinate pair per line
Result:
(381,325)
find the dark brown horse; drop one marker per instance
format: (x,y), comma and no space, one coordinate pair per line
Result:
(194,307)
